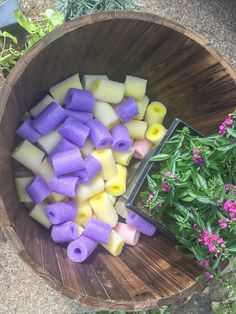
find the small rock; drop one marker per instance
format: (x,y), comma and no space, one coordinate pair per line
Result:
(215,306)
(206,290)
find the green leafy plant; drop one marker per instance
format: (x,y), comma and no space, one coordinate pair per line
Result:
(72,8)
(9,54)
(10,50)
(195,186)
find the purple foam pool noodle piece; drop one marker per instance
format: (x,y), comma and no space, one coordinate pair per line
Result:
(58,213)
(127,110)
(67,162)
(121,139)
(65,185)
(80,249)
(92,168)
(81,116)
(74,131)
(28,132)
(65,232)
(79,100)
(140,224)
(63,146)
(97,230)
(38,190)
(49,118)
(99,135)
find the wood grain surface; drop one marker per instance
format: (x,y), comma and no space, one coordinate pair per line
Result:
(184,72)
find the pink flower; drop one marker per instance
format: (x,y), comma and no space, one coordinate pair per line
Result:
(208,275)
(167,172)
(227,122)
(223,223)
(197,158)
(204,262)
(165,187)
(230,209)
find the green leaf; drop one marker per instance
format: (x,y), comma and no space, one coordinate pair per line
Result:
(151,183)
(160,157)
(232,249)
(56,18)
(217,262)
(231,132)
(9,36)
(25,22)
(188,199)
(197,252)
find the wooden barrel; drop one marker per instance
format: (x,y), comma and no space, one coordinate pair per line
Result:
(185,73)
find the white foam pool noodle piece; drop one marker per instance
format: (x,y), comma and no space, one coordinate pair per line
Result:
(123,158)
(45,170)
(87,148)
(56,197)
(142,107)
(112,199)
(95,186)
(135,87)
(141,148)
(121,209)
(104,209)
(84,213)
(21,183)
(137,129)
(128,233)
(155,113)
(28,155)
(117,185)
(115,244)
(106,158)
(105,114)
(37,213)
(50,141)
(59,90)
(108,91)
(89,79)
(41,105)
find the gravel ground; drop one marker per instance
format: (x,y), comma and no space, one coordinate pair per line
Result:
(21,291)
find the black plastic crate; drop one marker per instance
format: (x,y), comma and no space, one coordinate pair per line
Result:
(147,167)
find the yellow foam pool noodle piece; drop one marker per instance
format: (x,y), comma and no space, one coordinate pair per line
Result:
(142,107)
(84,213)
(155,133)
(108,91)
(38,214)
(117,185)
(84,192)
(105,114)
(106,158)
(104,209)
(115,244)
(28,155)
(155,113)
(137,129)
(123,158)
(60,90)
(135,87)
(89,79)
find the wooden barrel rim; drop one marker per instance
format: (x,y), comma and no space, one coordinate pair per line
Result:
(5,92)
